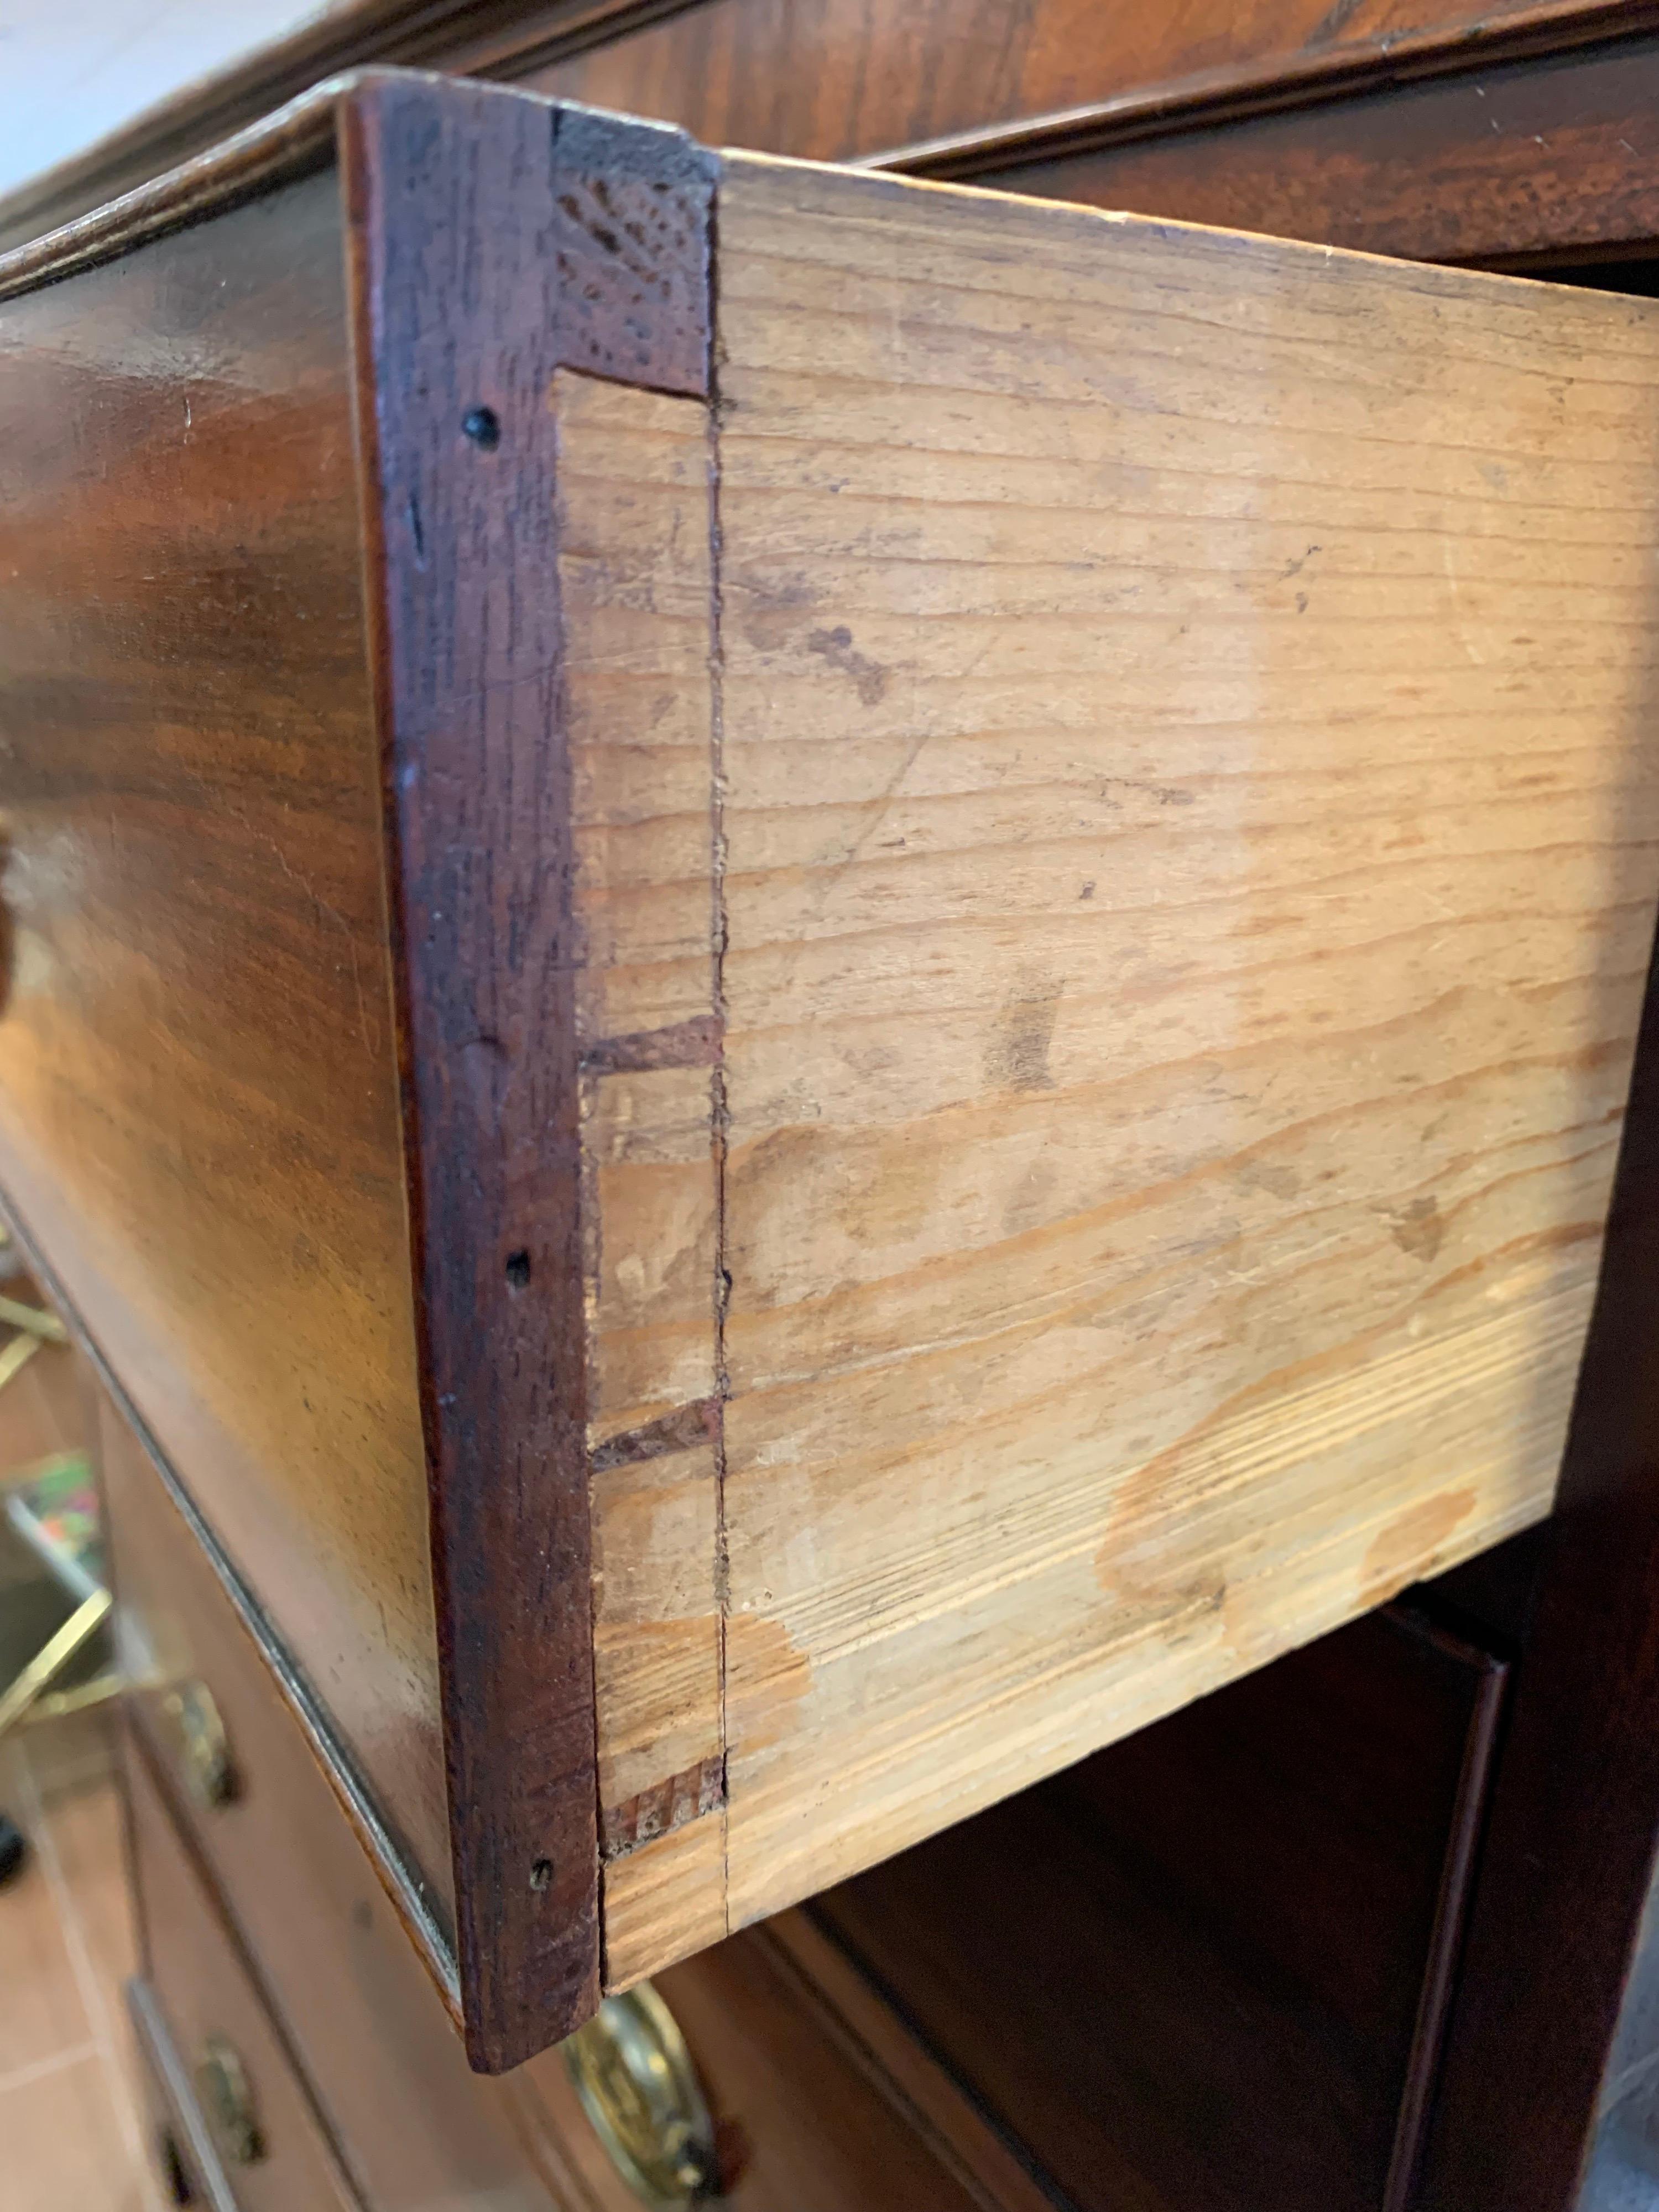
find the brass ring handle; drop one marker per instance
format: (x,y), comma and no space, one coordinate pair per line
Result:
(189,1716)
(638,2086)
(227,2102)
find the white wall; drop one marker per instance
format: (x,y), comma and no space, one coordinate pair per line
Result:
(71,71)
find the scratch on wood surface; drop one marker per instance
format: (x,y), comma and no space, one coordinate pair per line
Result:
(672,1433)
(693,1043)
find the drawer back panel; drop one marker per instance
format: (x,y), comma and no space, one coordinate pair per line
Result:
(198,1108)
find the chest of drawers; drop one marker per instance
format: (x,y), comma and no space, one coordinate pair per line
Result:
(816,987)
(815,984)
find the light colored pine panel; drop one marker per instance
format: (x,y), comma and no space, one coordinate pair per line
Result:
(664,1901)
(636,590)
(657,1640)
(651,1188)
(635,582)
(1191,841)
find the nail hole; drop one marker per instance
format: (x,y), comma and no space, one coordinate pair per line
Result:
(484,425)
(541,1874)
(518,1269)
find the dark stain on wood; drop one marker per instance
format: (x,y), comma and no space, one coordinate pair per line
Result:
(836,647)
(695,1423)
(1417,1228)
(630,236)
(664,1806)
(461,311)
(1017,1056)
(692,1043)
(1570,1852)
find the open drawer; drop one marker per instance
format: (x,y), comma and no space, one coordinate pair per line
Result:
(815,984)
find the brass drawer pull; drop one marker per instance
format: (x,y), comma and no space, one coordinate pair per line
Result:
(638,2086)
(227,2102)
(190,1718)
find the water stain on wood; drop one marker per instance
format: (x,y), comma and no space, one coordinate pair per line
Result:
(1416,1227)
(1404,1547)
(837,648)
(1017,1056)
(767,1676)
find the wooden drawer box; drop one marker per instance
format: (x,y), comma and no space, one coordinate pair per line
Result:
(911,1043)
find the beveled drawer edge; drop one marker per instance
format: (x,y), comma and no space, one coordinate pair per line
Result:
(167,2070)
(297,138)
(1317,76)
(386,1855)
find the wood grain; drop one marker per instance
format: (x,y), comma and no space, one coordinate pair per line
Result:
(496,242)
(331,1958)
(1194,1970)
(1188,867)
(835,82)
(198,1104)
(839,81)
(202,1986)
(636,590)
(1546,161)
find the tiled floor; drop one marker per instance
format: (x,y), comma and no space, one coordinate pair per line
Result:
(71,2136)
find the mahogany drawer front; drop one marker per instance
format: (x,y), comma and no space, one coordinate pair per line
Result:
(1000,1125)
(198,1124)
(262,2121)
(187,2161)
(416,2129)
